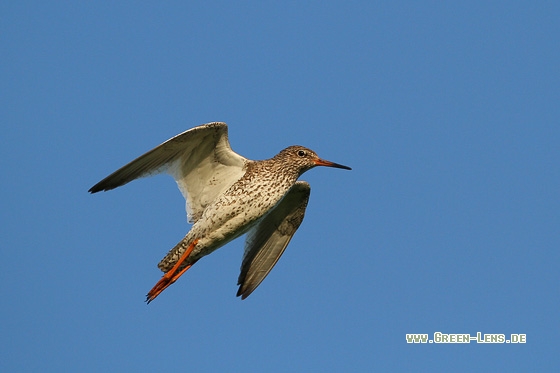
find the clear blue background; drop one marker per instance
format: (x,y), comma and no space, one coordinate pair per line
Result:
(449,221)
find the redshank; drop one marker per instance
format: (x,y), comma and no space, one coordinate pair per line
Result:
(227,196)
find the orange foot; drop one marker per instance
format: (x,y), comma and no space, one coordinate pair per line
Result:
(171,276)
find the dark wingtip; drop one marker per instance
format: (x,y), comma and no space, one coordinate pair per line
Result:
(241,293)
(100,187)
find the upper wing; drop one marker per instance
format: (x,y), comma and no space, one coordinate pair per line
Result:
(268,239)
(200,160)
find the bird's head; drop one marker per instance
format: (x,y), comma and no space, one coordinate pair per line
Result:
(305,159)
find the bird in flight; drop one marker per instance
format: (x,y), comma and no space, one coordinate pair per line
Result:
(227,196)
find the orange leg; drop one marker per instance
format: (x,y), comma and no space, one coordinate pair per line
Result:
(171,276)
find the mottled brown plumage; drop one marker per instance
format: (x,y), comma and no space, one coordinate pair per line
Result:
(227,196)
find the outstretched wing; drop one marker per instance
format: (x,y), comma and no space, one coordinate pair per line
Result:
(200,160)
(268,239)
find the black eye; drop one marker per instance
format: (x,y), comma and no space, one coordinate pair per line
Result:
(301,153)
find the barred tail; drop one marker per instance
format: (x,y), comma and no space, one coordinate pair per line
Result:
(175,253)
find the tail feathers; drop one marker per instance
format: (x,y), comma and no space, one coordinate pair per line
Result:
(173,274)
(175,254)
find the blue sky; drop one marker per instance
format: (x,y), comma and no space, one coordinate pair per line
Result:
(448,114)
